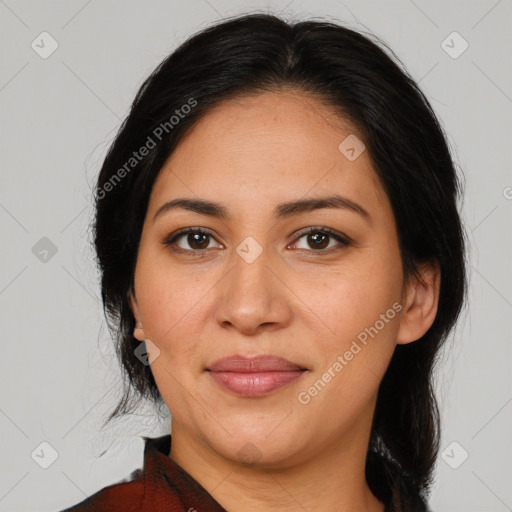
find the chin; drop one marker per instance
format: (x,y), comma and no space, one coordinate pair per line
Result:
(257,448)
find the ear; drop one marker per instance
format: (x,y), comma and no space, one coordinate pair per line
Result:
(138,331)
(420,308)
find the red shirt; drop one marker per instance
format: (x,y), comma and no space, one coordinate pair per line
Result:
(163,485)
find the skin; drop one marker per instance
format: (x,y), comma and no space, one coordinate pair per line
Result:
(294,300)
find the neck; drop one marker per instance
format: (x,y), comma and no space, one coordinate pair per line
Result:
(331,479)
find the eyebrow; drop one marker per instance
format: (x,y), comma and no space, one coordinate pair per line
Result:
(282,211)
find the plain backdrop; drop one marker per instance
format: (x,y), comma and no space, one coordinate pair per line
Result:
(69,71)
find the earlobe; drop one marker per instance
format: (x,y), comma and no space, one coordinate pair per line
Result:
(138,331)
(421,304)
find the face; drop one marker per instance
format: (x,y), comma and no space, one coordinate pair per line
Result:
(319,286)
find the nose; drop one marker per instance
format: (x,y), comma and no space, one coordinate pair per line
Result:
(253,296)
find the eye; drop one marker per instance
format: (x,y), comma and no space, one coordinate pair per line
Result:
(198,239)
(319,237)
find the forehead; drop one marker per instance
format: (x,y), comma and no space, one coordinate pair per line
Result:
(260,149)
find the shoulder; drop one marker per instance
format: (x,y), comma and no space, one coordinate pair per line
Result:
(160,485)
(126,496)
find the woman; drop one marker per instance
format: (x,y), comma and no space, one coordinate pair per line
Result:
(282,259)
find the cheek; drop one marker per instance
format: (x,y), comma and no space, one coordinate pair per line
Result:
(170,302)
(359,309)
(169,298)
(363,314)
(353,299)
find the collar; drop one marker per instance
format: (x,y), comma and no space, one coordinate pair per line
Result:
(162,474)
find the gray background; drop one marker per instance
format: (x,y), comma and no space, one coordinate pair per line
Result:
(59,114)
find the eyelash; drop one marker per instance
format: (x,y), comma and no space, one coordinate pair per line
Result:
(344,240)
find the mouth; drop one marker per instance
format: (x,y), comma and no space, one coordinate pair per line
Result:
(254,376)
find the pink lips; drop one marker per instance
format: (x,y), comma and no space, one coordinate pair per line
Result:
(254,376)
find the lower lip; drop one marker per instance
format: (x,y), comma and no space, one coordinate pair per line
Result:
(254,384)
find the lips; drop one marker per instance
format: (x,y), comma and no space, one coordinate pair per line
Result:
(256,364)
(255,376)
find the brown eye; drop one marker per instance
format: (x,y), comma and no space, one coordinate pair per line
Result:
(189,240)
(198,240)
(319,239)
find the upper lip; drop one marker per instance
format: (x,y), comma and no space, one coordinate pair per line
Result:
(261,363)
